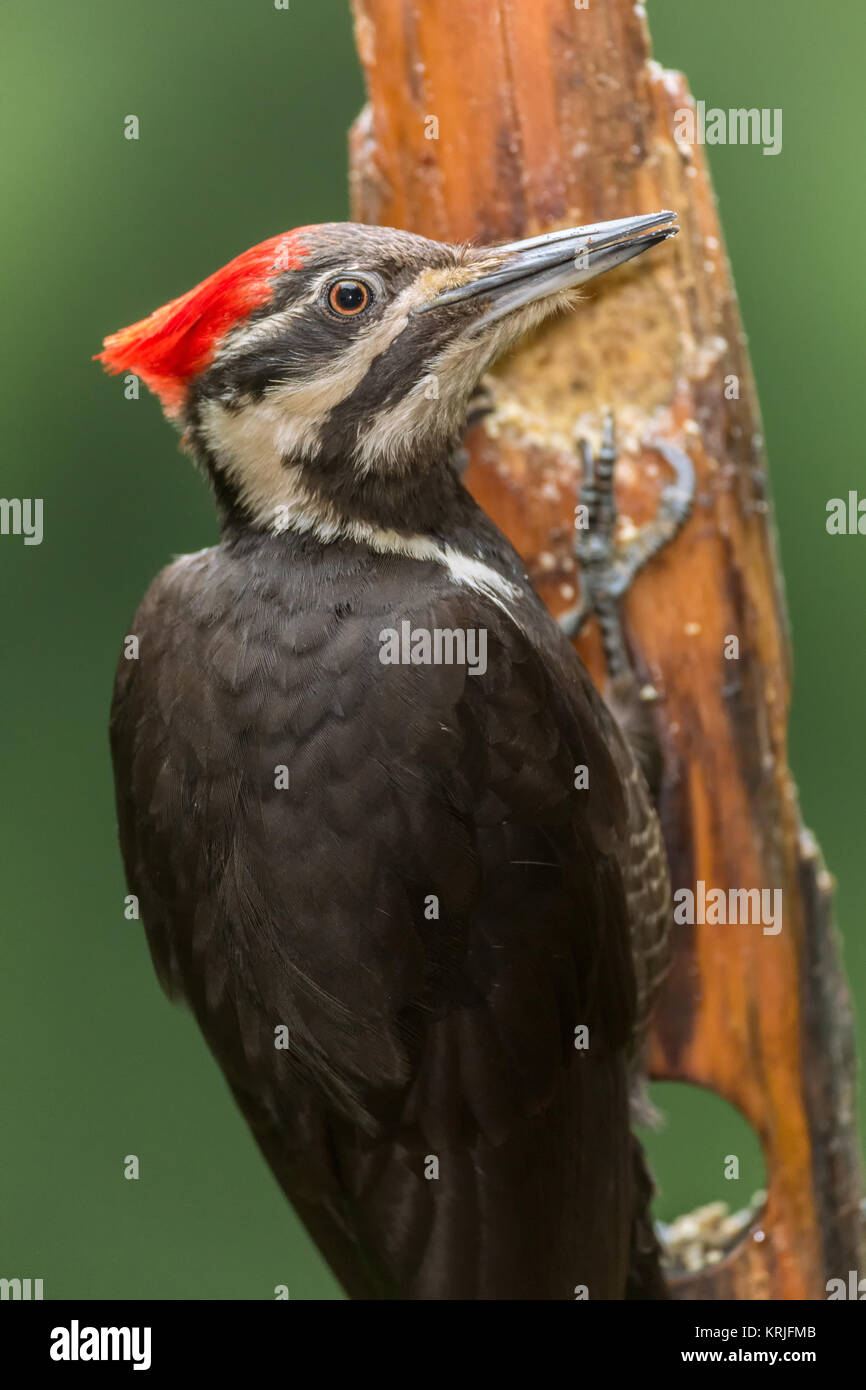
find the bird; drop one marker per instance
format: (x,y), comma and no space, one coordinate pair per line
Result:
(421,949)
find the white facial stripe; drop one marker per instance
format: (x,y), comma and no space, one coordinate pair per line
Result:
(458,366)
(261,332)
(438,393)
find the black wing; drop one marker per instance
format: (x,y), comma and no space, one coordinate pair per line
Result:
(431,908)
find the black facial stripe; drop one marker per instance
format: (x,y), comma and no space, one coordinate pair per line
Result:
(309,342)
(303,350)
(392,375)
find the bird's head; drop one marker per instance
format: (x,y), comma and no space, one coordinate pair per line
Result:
(327,371)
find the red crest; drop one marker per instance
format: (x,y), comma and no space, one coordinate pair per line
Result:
(178,341)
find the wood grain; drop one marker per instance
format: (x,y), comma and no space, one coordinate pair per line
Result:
(549,115)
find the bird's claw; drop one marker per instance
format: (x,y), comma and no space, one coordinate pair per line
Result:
(607,568)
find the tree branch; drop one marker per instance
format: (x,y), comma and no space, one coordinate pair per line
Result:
(548,115)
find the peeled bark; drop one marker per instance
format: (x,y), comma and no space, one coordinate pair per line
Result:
(495,119)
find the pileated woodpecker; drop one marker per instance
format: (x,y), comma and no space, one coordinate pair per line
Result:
(421,949)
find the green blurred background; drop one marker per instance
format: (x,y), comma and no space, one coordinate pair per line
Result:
(244,111)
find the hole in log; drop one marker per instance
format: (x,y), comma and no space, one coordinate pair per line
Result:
(709,1172)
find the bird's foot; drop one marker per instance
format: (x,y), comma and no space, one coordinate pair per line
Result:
(608,567)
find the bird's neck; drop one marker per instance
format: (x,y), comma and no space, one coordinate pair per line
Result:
(423,513)
(329,498)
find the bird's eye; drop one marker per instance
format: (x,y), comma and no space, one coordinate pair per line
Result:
(348,297)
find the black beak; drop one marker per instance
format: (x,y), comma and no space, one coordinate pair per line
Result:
(529,270)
